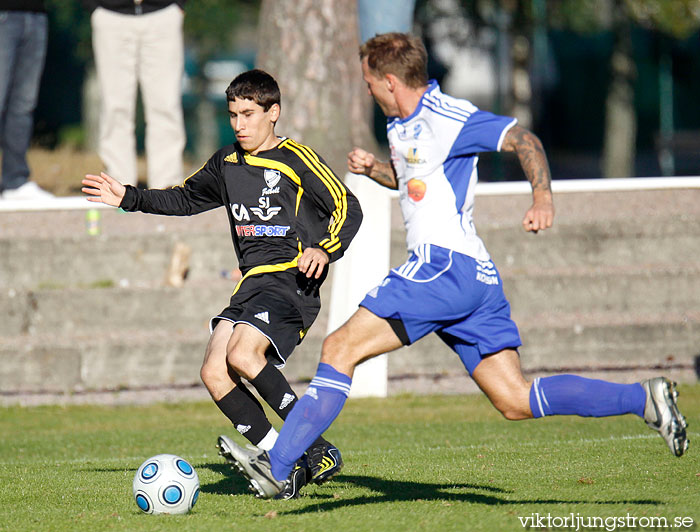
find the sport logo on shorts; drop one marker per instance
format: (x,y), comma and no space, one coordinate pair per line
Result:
(486,272)
(263,316)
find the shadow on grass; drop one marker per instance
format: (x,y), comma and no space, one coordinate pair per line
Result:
(232,483)
(396,491)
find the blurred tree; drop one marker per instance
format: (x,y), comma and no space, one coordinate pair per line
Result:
(214,29)
(211,25)
(520,25)
(311,48)
(71,17)
(58,107)
(677,19)
(619,145)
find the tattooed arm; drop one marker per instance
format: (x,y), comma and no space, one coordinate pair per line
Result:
(534,163)
(363,162)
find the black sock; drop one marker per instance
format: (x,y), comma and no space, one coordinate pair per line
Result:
(246,414)
(276,391)
(246,391)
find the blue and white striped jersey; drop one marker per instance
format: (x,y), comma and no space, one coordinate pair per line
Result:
(435,153)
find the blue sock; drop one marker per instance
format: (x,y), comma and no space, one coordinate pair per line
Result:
(571,395)
(310,417)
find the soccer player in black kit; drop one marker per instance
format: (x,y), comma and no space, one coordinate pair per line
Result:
(290,217)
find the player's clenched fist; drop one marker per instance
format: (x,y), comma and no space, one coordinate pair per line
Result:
(540,216)
(360,161)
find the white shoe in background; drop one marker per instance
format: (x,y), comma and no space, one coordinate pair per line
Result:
(29,191)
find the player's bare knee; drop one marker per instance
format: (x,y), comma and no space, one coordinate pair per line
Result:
(204,374)
(244,362)
(512,408)
(515,414)
(236,360)
(514,405)
(210,375)
(336,350)
(333,343)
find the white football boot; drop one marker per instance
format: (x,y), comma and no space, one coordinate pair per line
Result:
(661,413)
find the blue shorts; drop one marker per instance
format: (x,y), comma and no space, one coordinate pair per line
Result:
(454,295)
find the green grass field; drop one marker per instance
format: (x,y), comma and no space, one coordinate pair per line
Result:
(412,463)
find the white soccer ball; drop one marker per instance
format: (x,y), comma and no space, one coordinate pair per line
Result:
(166,484)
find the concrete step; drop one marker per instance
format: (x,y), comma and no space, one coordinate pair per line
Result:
(53,249)
(149,306)
(80,311)
(106,360)
(121,359)
(135,258)
(611,288)
(666,241)
(109,260)
(623,289)
(578,343)
(590,228)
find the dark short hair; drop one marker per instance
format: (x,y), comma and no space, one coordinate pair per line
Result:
(256,85)
(400,54)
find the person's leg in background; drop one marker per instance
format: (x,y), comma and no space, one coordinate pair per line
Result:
(23,41)
(114,43)
(161,66)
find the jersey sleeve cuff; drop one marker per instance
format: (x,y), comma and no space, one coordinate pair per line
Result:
(129,200)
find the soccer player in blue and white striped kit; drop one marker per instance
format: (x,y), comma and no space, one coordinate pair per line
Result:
(449,284)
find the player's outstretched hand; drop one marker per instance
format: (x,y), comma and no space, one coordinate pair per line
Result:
(539,216)
(312,262)
(103,189)
(361,161)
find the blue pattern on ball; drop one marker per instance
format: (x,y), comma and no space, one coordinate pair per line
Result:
(149,471)
(143,502)
(183,466)
(196,496)
(172,494)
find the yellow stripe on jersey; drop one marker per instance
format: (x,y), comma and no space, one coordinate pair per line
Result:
(300,192)
(285,169)
(296,148)
(327,177)
(337,190)
(268,268)
(291,174)
(334,248)
(276,165)
(185,181)
(330,244)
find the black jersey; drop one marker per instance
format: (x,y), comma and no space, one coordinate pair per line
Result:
(279,202)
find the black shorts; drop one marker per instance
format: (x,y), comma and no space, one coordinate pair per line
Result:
(267,307)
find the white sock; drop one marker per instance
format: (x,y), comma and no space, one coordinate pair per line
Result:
(269,440)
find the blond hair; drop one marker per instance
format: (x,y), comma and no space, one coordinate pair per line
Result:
(400,54)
